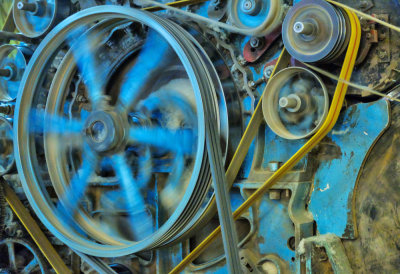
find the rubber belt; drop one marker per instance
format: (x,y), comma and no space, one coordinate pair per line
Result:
(255,122)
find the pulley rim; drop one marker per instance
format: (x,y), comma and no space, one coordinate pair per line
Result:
(26,167)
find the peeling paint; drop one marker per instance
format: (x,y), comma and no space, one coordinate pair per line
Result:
(332,209)
(325,189)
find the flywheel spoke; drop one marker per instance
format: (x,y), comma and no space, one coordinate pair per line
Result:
(82,48)
(30,266)
(145,168)
(169,98)
(11,255)
(140,218)
(152,54)
(77,187)
(52,123)
(180,140)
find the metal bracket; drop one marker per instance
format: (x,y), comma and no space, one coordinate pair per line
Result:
(334,249)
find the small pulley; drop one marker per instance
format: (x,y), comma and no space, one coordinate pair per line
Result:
(13,60)
(35,18)
(296,103)
(261,15)
(315,31)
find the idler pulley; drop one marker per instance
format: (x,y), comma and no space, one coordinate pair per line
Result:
(297,103)
(35,18)
(315,31)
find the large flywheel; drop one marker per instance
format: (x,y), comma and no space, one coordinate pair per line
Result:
(112,153)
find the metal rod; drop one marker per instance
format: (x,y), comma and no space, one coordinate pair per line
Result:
(305,28)
(287,102)
(31,7)
(6,35)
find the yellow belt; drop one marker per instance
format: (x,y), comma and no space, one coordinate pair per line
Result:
(255,123)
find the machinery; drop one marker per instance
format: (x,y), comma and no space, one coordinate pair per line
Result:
(241,136)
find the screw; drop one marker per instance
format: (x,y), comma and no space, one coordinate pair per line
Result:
(252,84)
(382,54)
(82,99)
(256,42)
(268,72)
(25,6)
(247,5)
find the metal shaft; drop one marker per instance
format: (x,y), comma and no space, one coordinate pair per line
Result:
(6,35)
(287,102)
(305,28)
(5,72)
(31,7)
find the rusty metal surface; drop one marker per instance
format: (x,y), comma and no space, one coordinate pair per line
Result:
(377,207)
(337,174)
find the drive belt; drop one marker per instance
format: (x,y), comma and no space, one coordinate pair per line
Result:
(255,122)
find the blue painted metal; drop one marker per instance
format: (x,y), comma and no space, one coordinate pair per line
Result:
(78,185)
(151,56)
(275,229)
(82,48)
(141,220)
(44,122)
(182,141)
(252,20)
(278,149)
(335,180)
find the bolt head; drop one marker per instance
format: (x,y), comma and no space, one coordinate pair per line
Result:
(255,42)
(268,72)
(247,5)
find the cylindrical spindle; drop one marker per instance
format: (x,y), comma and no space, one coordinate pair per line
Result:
(305,28)
(6,35)
(31,7)
(5,72)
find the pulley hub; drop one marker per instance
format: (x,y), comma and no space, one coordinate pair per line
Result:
(13,60)
(105,131)
(297,103)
